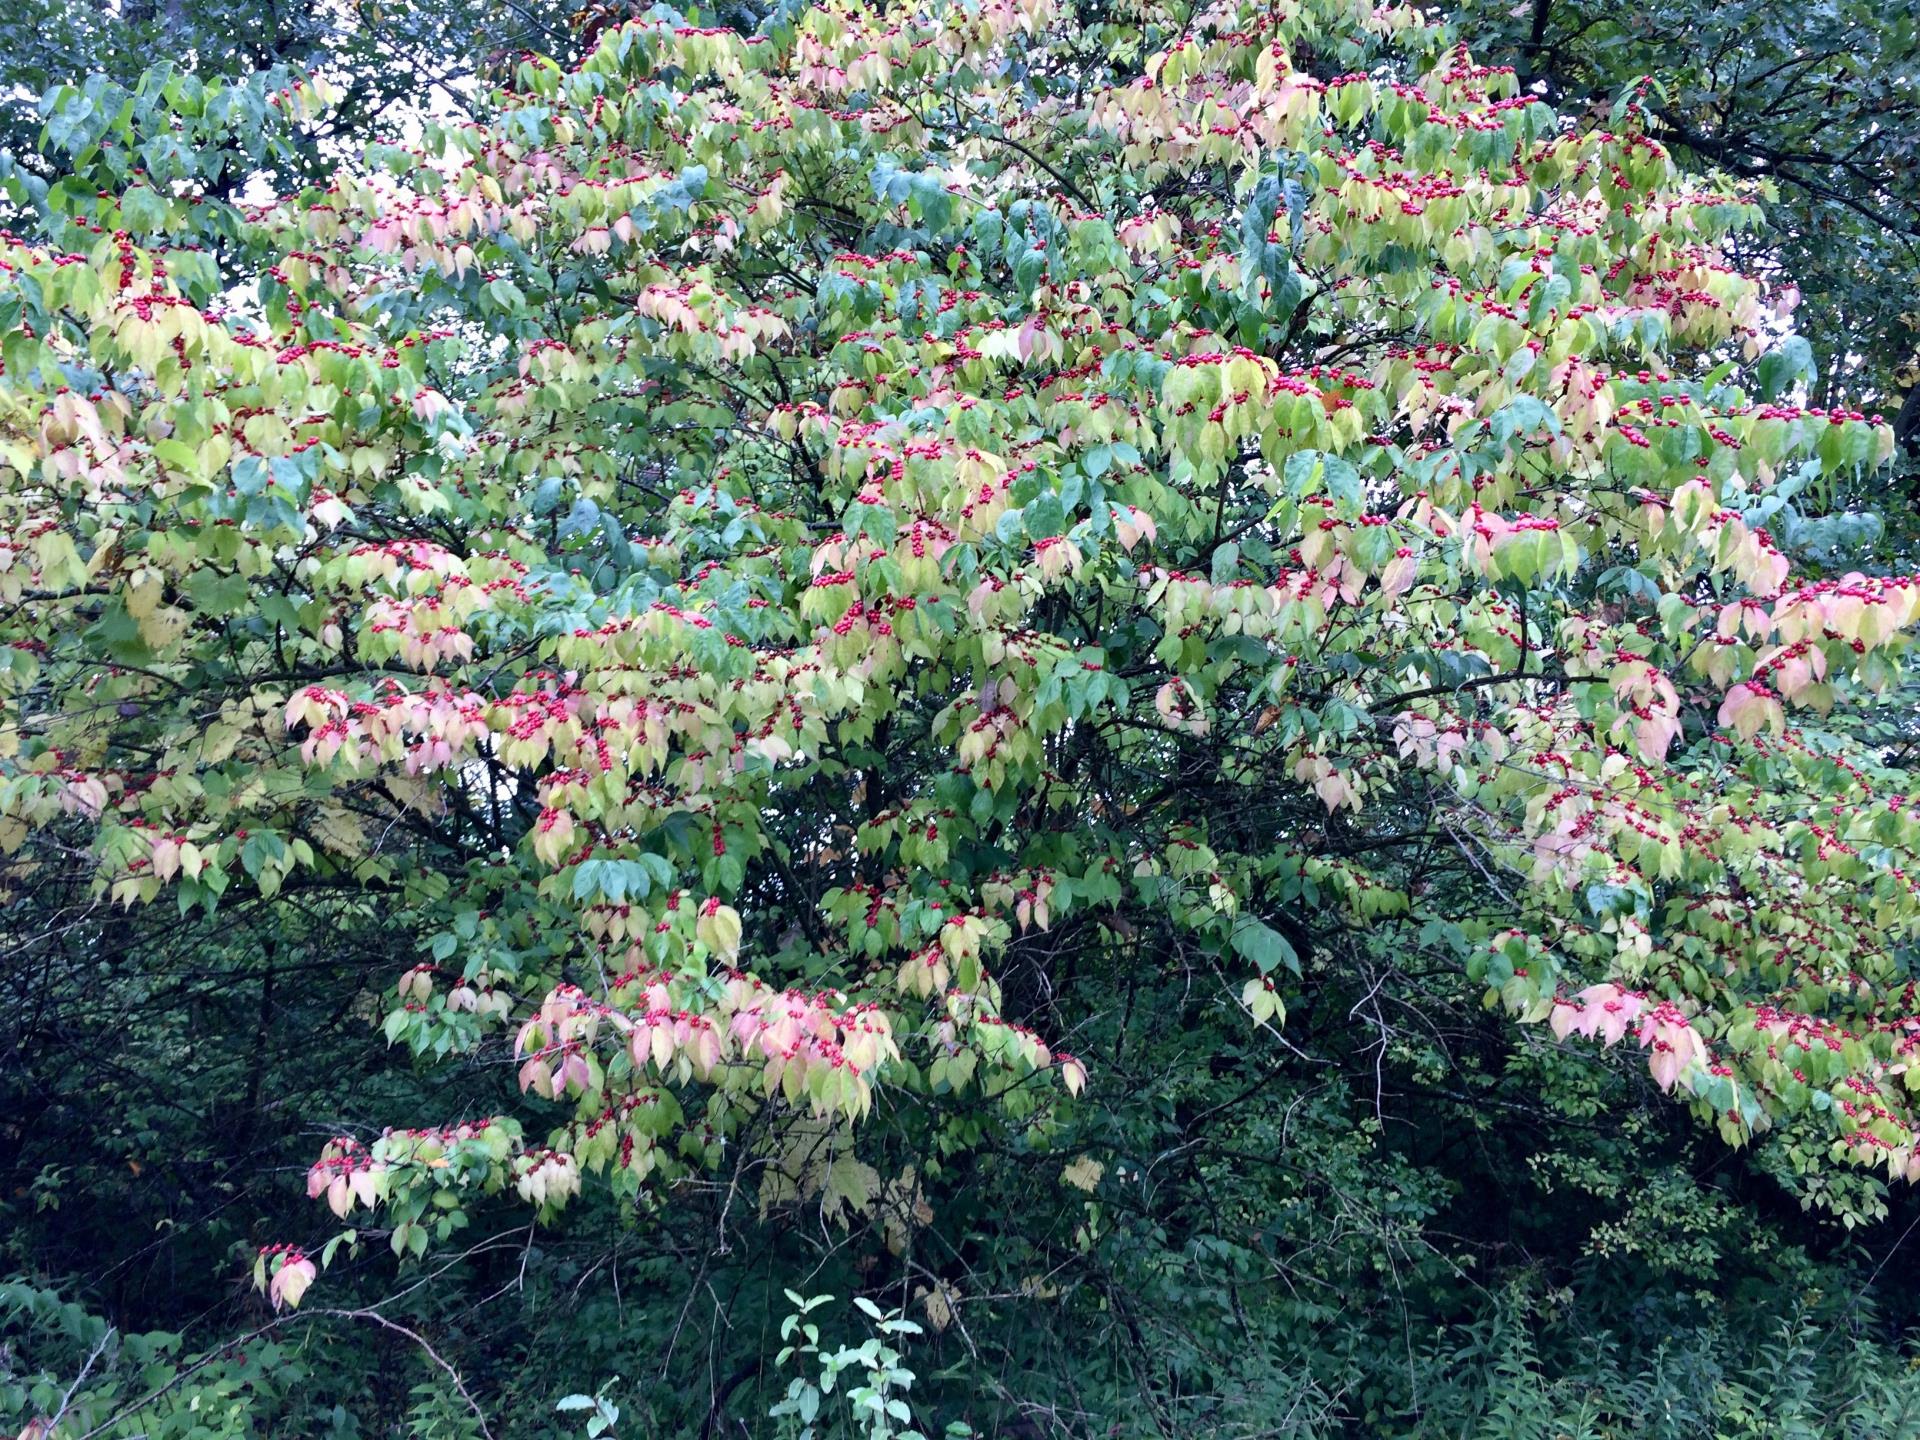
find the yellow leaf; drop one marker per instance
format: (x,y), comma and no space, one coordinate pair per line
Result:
(1083,1174)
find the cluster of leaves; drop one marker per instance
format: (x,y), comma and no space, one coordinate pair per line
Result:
(385,59)
(991,650)
(1821,106)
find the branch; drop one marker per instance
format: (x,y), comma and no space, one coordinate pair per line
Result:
(1072,189)
(1478,682)
(479,1415)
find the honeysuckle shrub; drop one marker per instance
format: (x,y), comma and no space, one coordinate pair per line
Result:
(773,555)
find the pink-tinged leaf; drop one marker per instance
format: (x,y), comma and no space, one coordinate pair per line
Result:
(535,1076)
(290,1282)
(705,1051)
(1654,735)
(1399,575)
(1565,1014)
(1072,1074)
(1748,708)
(1333,790)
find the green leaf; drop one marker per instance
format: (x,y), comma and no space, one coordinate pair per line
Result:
(1264,946)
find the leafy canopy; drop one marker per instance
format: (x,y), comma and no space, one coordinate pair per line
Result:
(761,532)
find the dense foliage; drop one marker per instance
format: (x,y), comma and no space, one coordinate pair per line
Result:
(1821,103)
(1199,707)
(386,60)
